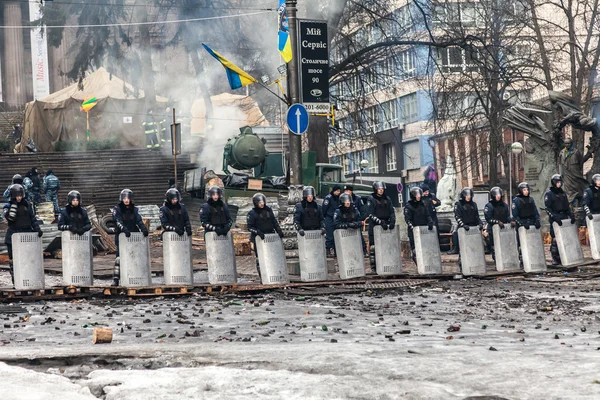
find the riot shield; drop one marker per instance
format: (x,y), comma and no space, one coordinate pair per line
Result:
(271,259)
(427,249)
(28,261)
(135,260)
(506,249)
(472,254)
(77,259)
(313,259)
(388,260)
(177,259)
(567,239)
(350,257)
(220,257)
(594,235)
(532,249)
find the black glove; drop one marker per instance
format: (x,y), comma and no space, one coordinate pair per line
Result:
(179,231)
(80,232)
(280,233)
(466,228)
(301,232)
(526,226)
(343,226)
(323,231)
(12,213)
(501,224)
(430,226)
(385,226)
(126,232)
(513,224)
(222,231)
(39,231)
(261,234)
(391,226)
(558,221)
(572,220)
(145,232)
(590,217)
(480,227)
(189,232)
(538,225)
(72,229)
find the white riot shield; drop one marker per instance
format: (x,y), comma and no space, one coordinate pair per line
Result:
(177,259)
(77,257)
(348,247)
(506,249)
(271,259)
(532,249)
(594,235)
(134,253)
(220,256)
(472,254)
(28,261)
(388,260)
(313,258)
(567,239)
(427,249)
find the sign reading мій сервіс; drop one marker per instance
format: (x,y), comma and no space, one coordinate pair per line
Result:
(314,65)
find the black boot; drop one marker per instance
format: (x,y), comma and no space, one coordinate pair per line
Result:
(414,257)
(258,270)
(372,260)
(12,273)
(555,255)
(117,272)
(453,250)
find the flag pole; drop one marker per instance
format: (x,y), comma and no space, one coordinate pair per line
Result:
(272,92)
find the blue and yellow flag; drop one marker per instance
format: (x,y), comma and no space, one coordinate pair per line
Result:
(284,42)
(237,76)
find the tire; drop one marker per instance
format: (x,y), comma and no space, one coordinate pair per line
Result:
(444,240)
(444,247)
(107,223)
(445,227)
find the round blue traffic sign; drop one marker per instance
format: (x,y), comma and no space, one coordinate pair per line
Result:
(297,119)
(399,187)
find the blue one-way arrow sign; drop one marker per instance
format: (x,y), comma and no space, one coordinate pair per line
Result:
(297,119)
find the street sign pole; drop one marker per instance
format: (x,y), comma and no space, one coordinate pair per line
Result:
(295,143)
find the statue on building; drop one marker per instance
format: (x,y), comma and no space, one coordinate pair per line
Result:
(448,187)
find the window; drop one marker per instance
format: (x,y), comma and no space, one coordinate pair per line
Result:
(402,15)
(346,164)
(455,59)
(412,155)
(387,71)
(474,164)
(372,119)
(410,113)
(406,67)
(373,159)
(389,111)
(444,14)
(389,150)
(355,125)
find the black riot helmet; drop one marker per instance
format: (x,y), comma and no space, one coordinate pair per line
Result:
(495,191)
(172,194)
(16,190)
(308,191)
(257,198)
(17,179)
(345,197)
(378,185)
(555,179)
(414,191)
(213,190)
(523,185)
(126,194)
(595,179)
(466,192)
(73,194)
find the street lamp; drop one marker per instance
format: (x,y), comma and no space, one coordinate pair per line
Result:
(515,148)
(363,164)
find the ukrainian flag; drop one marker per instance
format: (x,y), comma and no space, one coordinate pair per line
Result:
(237,76)
(284,43)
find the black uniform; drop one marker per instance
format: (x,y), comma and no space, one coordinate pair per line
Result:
(525,212)
(308,216)
(346,217)
(557,207)
(591,200)
(128,219)
(381,212)
(428,200)
(175,218)
(215,217)
(74,219)
(330,204)
(416,213)
(260,222)
(21,218)
(466,215)
(495,212)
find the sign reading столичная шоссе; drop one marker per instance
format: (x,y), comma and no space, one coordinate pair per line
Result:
(313,49)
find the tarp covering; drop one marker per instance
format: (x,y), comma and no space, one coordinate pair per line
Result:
(119,113)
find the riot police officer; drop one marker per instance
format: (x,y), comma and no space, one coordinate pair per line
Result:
(214,214)
(51,188)
(173,215)
(360,206)
(381,212)
(496,213)
(36,187)
(524,210)
(261,220)
(16,180)
(73,217)
(557,207)
(20,216)
(128,219)
(466,215)
(416,213)
(431,202)
(308,215)
(330,204)
(28,186)
(347,215)
(591,198)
